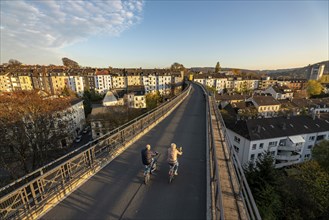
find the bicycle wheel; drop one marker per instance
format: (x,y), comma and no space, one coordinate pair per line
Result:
(146,178)
(171,177)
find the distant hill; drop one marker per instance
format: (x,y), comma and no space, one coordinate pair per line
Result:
(291,73)
(300,73)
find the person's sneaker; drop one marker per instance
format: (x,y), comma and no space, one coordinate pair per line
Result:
(176,173)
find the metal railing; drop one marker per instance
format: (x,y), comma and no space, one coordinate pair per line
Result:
(217,211)
(245,192)
(29,196)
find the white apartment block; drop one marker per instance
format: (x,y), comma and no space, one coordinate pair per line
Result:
(220,84)
(290,141)
(103,83)
(163,84)
(150,83)
(76,84)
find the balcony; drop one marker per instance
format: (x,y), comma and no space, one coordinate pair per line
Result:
(290,148)
(287,157)
(280,165)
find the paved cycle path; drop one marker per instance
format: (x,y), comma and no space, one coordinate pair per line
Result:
(118,192)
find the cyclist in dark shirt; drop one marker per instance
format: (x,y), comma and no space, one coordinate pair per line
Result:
(147,155)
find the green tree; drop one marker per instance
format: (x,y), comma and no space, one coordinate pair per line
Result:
(217,68)
(211,89)
(89,97)
(153,100)
(314,88)
(263,180)
(320,153)
(70,63)
(313,184)
(13,62)
(177,67)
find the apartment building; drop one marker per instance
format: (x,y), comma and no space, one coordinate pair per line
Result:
(54,79)
(136,97)
(266,106)
(267,82)
(103,81)
(41,80)
(58,80)
(290,140)
(119,81)
(150,82)
(280,92)
(164,83)
(76,115)
(244,85)
(5,83)
(76,84)
(134,79)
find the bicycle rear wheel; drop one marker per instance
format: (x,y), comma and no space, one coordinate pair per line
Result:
(146,178)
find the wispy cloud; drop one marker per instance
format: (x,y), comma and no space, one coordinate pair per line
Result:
(40,28)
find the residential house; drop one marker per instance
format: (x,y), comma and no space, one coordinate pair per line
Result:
(136,97)
(114,98)
(280,92)
(266,106)
(290,140)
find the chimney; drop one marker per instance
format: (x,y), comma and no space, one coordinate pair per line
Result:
(313,115)
(258,128)
(288,116)
(284,126)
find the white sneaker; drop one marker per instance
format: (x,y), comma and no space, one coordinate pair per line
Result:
(176,173)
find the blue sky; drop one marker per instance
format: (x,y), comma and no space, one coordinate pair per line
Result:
(240,34)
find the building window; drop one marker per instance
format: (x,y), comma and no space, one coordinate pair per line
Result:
(252,156)
(312,138)
(273,143)
(261,146)
(236,139)
(254,146)
(282,142)
(307,156)
(259,155)
(320,137)
(309,147)
(236,148)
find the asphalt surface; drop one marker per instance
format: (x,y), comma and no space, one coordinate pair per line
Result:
(118,191)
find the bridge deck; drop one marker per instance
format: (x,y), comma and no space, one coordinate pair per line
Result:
(117,191)
(233,207)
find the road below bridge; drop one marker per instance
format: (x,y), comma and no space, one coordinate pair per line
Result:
(118,192)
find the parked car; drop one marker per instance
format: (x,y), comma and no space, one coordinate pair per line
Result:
(78,139)
(86,129)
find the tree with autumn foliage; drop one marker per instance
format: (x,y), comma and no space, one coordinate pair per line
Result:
(31,127)
(314,88)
